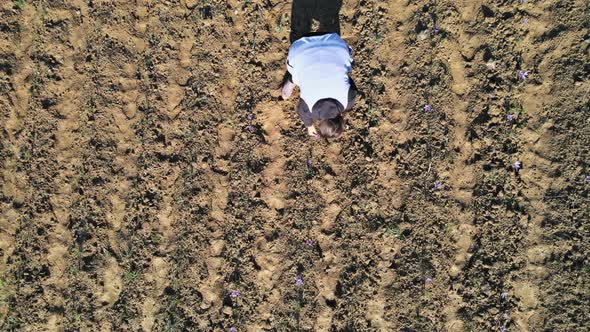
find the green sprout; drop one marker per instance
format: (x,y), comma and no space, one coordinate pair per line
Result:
(34,88)
(279,24)
(128,276)
(156,238)
(18,4)
(516,109)
(393,230)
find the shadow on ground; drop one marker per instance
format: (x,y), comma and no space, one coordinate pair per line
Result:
(305,12)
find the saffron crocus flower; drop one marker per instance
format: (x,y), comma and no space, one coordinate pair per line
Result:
(250,116)
(299,281)
(250,128)
(234,294)
(428,280)
(427,108)
(523,74)
(233,329)
(504,295)
(517,166)
(510,117)
(309,242)
(316,135)
(437,185)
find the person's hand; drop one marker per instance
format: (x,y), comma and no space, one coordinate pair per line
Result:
(312,132)
(287,90)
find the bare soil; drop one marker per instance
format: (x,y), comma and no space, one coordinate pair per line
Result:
(133,196)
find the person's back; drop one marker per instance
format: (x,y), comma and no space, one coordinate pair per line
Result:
(319,65)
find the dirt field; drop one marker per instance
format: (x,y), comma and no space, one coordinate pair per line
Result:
(134,197)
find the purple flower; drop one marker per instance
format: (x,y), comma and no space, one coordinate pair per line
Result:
(233,329)
(234,294)
(250,128)
(437,185)
(588,179)
(517,166)
(299,281)
(427,108)
(436,29)
(504,295)
(525,21)
(510,117)
(309,242)
(250,116)
(428,280)
(505,315)
(523,74)
(316,135)
(502,328)
(309,162)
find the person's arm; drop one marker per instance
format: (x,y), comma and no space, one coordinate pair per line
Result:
(286,78)
(287,86)
(304,113)
(352,92)
(307,117)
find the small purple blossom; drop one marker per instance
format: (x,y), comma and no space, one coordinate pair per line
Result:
(316,135)
(233,329)
(505,315)
(427,108)
(309,162)
(250,116)
(523,74)
(299,281)
(525,21)
(510,117)
(517,166)
(437,185)
(436,29)
(504,295)
(428,280)
(234,294)
(502,328)
(588,179)
(250,128)
(309,242)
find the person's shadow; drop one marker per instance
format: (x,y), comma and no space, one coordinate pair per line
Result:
(303,12)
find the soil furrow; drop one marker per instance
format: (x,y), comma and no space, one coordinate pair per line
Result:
(153,179)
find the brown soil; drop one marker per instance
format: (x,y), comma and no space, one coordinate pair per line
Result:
(133,197)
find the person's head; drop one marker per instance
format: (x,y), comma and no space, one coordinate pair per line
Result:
(331,124)
(331,128)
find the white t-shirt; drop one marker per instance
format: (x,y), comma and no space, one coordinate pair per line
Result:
(319,65)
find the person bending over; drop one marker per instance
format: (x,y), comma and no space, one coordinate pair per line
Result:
(319,64)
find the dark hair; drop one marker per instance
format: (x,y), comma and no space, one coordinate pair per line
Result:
(331,128)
